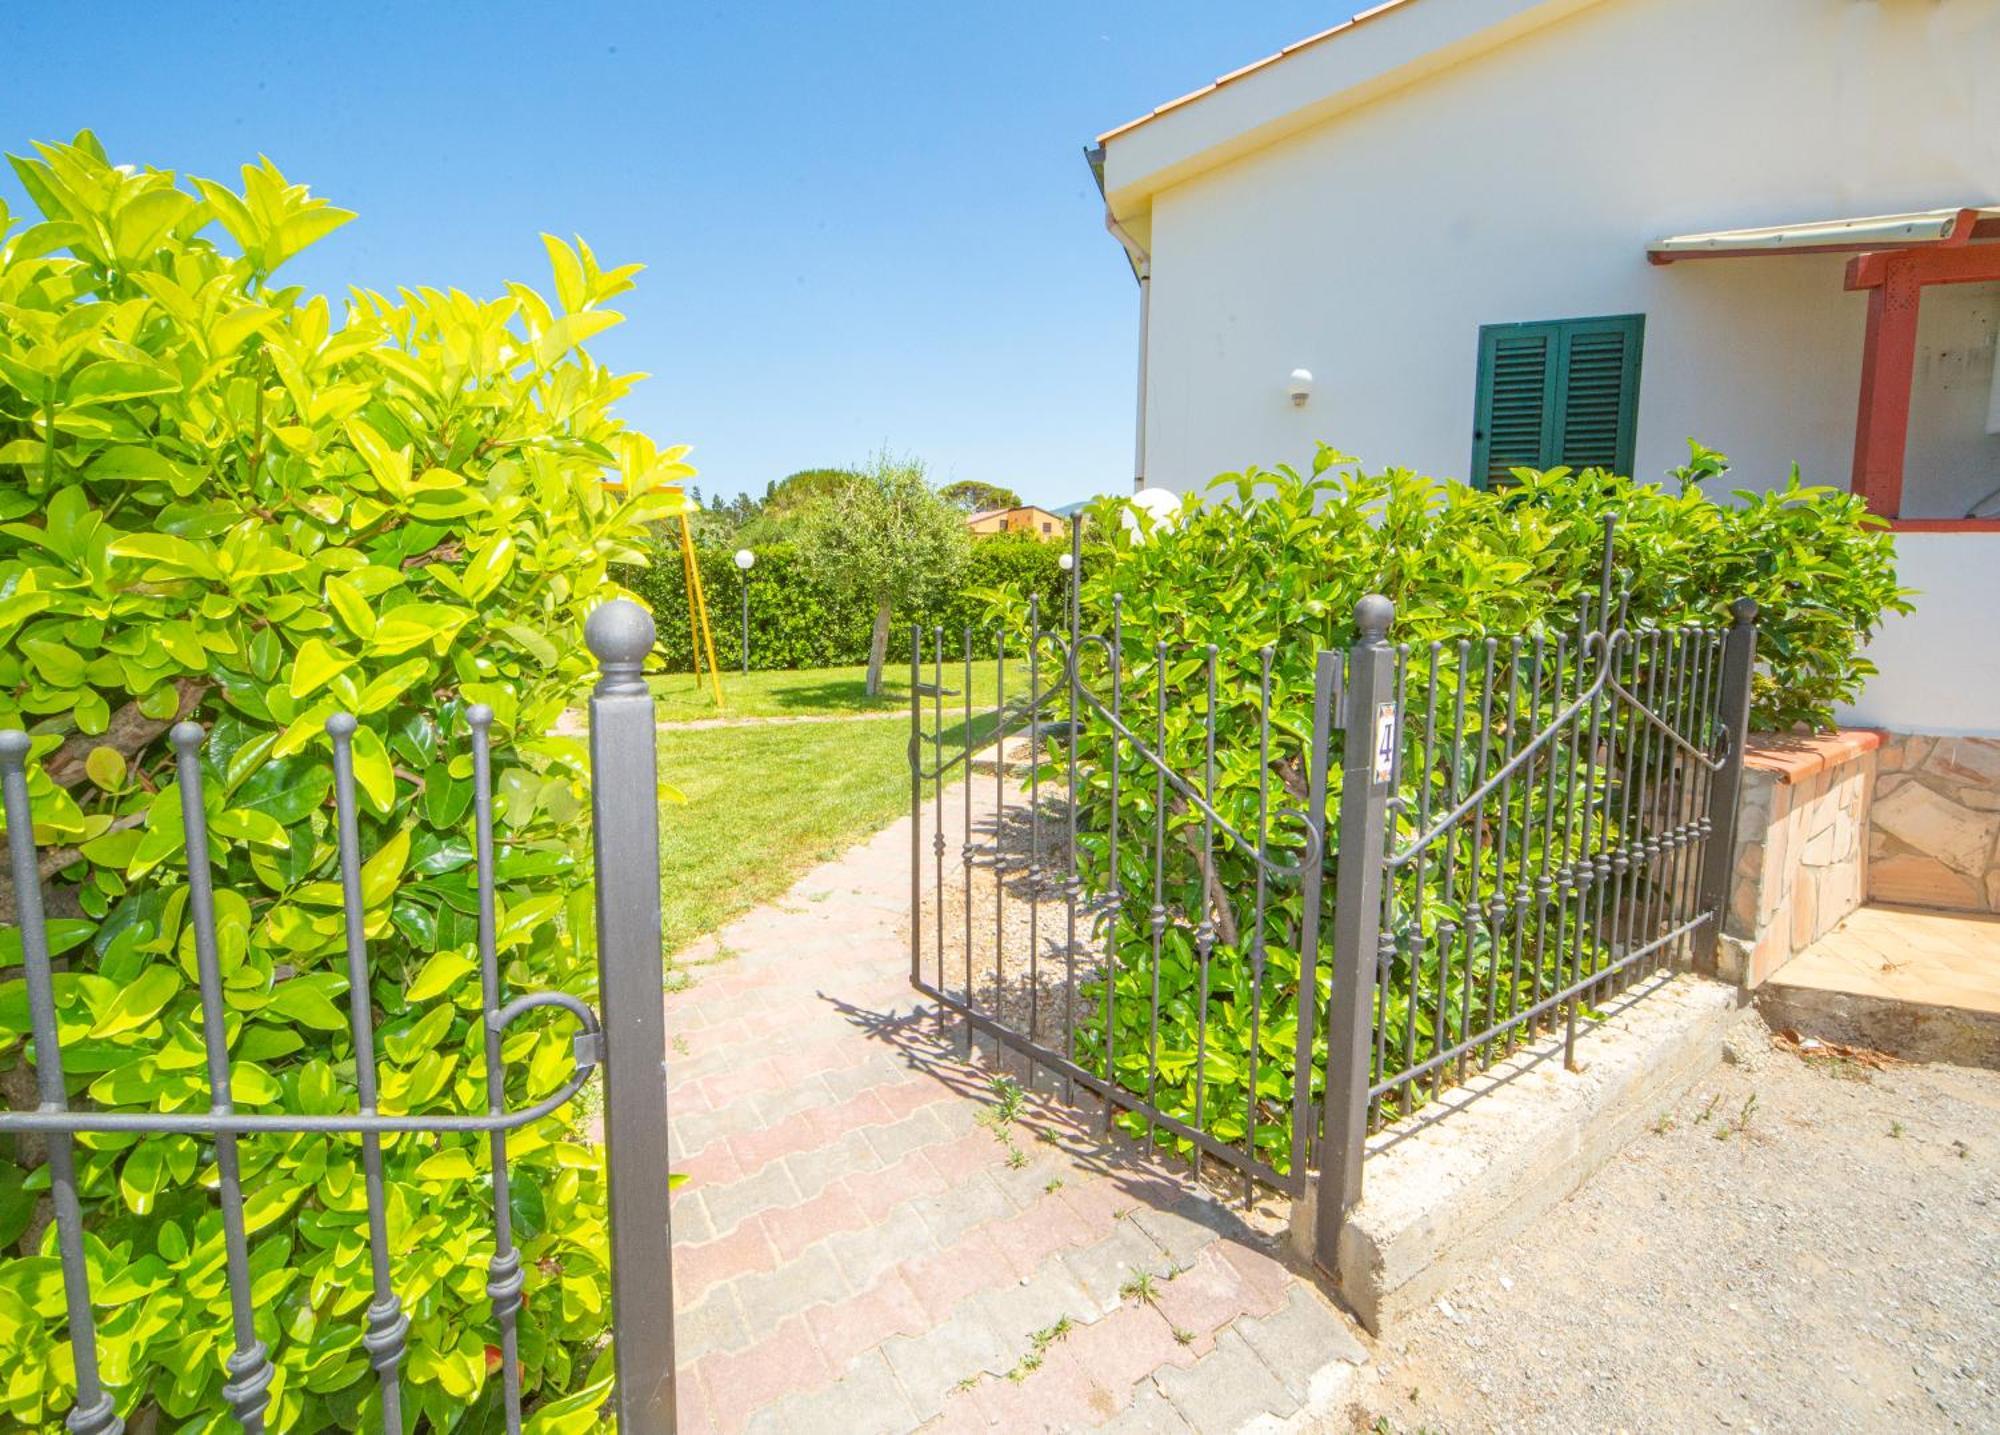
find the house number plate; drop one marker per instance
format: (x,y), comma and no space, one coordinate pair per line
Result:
(1385,740)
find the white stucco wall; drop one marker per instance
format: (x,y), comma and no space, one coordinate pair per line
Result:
(1939,668)
(1524,184)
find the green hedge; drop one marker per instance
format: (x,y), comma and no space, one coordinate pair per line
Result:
(235,502)
(1276,561)
(795,623)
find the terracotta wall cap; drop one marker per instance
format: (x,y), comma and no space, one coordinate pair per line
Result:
(1792,757)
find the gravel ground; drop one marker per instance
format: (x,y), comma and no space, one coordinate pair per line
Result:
(1801,1245)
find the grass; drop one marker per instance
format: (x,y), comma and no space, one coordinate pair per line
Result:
(830,692)
(767,802)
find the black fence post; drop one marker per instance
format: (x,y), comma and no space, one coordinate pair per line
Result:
(625,834)
(1373,729)
(1718,858)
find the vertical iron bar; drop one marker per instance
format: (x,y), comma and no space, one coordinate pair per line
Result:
(1073,885)
(1497,905)
(999,835)
(1157,916)
(916,805)
(1549,871)
(1115,898)
(1624,861)
(1364,809)
(94,1412)
(965,841)
(937,811)
(247,1391)
(1416,943)
(1034,820)
(1739,661)
(1701,735)
(503,1272)
(1566,883)
(387,1325)
(1525,904)
(1472,914)
(1326,678)
(1389,931)
(1257,944)
(1211,894)
(1446,936)
(625,835)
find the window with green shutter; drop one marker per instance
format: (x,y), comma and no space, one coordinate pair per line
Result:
(1564,392)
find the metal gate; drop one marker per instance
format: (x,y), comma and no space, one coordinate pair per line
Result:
(1524,825)
(629,1046)
(1091,909)
(1534,823)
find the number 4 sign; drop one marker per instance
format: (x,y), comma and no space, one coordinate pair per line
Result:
(1385,741)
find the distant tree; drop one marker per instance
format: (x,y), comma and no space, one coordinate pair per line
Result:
(793,494)
(886,536)
(973,496)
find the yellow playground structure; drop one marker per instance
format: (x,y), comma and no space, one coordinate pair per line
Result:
(704,637)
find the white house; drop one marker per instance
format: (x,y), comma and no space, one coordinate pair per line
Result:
(1501,232)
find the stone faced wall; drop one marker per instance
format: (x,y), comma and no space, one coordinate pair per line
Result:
(1934,832)
(1801,852)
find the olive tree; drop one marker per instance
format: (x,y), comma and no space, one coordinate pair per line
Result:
(885,536)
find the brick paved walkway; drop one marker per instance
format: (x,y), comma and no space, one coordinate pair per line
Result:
(863,1246)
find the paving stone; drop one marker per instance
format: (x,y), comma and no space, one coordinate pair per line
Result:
(715,1322)
(1226,1389)
(1204,1295)
(899,1138)
(1301,1339)
(1024,1185)
(768,1297)
(691,1223)
(739,1384)
(1187,1227)
(867,1399)
(775,1106)
(730,1205)
(848,1328)
(876,1071)
(865,1255)
(1148,1414)
(930,1366)
(1103,1268)
(816,1169)
(1035,1303)
(956,1210)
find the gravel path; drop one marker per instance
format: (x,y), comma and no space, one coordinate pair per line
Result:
(1801,1245)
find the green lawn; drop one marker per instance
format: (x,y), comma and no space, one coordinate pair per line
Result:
(816,692)
(765,802)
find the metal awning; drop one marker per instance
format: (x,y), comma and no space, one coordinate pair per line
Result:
(1942,228)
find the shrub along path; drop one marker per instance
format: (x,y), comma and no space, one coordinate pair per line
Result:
(871,1242)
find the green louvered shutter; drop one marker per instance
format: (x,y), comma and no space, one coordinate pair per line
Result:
(1556,393)
(1599,396)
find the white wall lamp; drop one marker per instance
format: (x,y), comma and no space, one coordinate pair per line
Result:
(1299,387)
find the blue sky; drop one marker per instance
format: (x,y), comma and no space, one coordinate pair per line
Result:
(863,224)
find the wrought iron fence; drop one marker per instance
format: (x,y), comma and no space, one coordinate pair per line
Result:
(1525,824)
(1118,929)
(629,1047)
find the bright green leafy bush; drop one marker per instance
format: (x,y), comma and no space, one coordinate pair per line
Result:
(221,498)
(1281,565)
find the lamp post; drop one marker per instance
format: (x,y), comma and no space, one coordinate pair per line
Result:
(1066,560)
(744,559)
